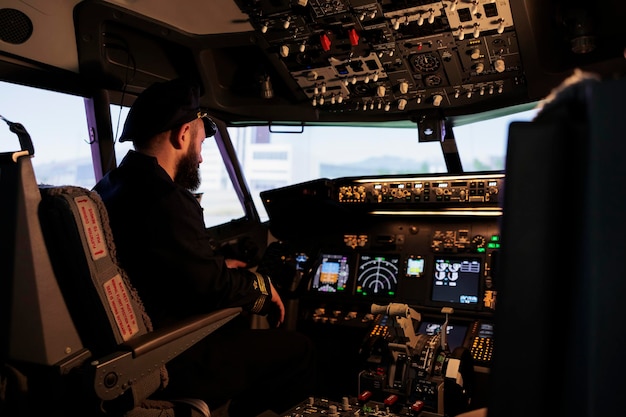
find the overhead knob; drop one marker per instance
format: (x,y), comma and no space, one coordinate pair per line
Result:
(475,53)
(437,100)
(479,67)
(499,65)
(380,91)
(401,104)
(284,51)
(404,87)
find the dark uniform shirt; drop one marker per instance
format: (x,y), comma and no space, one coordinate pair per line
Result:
(163,244)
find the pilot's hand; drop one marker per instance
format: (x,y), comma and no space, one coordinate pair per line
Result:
(235,263)
(280,316)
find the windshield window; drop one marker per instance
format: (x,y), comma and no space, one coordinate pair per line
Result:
(269,158)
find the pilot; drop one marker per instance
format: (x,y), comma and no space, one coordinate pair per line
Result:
(162,242)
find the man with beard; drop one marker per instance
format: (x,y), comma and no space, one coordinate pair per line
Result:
(163,244)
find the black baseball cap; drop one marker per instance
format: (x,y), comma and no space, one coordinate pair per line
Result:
(164,106)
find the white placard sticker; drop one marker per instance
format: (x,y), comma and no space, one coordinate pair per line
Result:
(119,301)
(92,227)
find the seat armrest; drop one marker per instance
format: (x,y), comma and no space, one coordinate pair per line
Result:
(114,373)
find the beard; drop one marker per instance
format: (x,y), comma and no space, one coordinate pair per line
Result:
(188,171)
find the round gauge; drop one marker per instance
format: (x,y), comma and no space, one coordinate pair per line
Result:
(377,276)
(425,62)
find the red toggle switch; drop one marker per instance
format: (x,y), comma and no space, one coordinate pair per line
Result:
(354,37)
(417,406)
(391,400)
(365,395)
(325,41)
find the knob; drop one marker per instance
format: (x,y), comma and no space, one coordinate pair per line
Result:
(499,65)
(437,100)
(475,53)
(479,67)
(404,87)
(284,51)
(380,91)
(401,104)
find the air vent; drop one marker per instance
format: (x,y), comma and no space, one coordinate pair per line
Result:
(15,26)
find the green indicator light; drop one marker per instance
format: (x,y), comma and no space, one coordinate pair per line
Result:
(480,250)
(492,245)
(495,238)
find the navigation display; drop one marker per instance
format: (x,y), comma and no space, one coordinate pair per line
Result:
(377,275)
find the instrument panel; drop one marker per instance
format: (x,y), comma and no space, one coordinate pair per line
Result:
(430,242)
(381,56)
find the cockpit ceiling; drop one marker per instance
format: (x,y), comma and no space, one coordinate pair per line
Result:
(331,60)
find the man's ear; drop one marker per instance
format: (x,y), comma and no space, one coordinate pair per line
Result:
(180,136)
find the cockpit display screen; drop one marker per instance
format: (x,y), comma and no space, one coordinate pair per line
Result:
(332,273)
(456,281)
(377,275)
